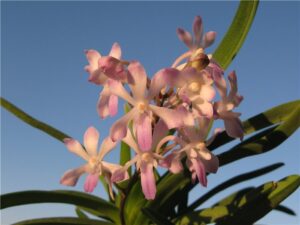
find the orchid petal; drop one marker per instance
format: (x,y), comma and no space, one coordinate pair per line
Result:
(207,92)
(118,89)
(211,165)
(90,140)
(91,182)
(75,147)
(113,105)
(119,128)
(106,146)
(112,67)
(159,132)
(172,162)
(234,128)
(198,167)
(198,30)
(204,109)
(92,56)
(164,77)
(129,140)
(185,37)
(172,118)
(144,131)
(137,80)
(209,39)
(148,180)
(102,104)
(116,51)
(71,177)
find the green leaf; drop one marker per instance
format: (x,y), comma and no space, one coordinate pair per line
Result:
(220,212)
(245,206)
(236,34)
(156,217)
(231,182)
(285,209)
(62,221)
(255,210)
(80,213)
(32,121)
(95,204)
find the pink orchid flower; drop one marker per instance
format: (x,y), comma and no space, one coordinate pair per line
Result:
(223,108)
(142,112)
(192,144)
(95,165)
(145,160)
(104,70)
(196,44)
(197,91)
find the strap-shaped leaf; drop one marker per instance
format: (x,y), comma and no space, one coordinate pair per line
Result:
(255,210)
(245,206)
(80,213)
(231,182)
(236,34)
(219,212)
(156,217)
(95,204)
(32,121)
(63,221)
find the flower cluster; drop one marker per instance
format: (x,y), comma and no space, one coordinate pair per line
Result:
(170,114)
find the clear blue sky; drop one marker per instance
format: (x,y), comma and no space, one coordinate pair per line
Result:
(42,72)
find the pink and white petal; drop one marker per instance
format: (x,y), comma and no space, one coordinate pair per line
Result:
(172,118)
(197,29)
(113,105)
(163,78)
(148,180)
(204,109)
(112,67)
(119,175)
(209,39)
(172,162)
(211,165)
(91,182)
(185,37)
(143,131)
(118,89)
(116,51)
(207,92)
(106,146)
(71,177)
(75,147)
(137,79)
(119,128)
(159,132)
(234,128)
(92,56)
(129,140)
(102,104)
(198,167)
(90,140)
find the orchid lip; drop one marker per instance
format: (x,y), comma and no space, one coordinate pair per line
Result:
(142,107)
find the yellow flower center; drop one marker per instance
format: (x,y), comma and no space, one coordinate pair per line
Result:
(147,157)
(142,107)
(194,86)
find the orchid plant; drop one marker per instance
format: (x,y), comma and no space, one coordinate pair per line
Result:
(168,124)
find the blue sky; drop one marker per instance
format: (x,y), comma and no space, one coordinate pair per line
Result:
(42,72)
